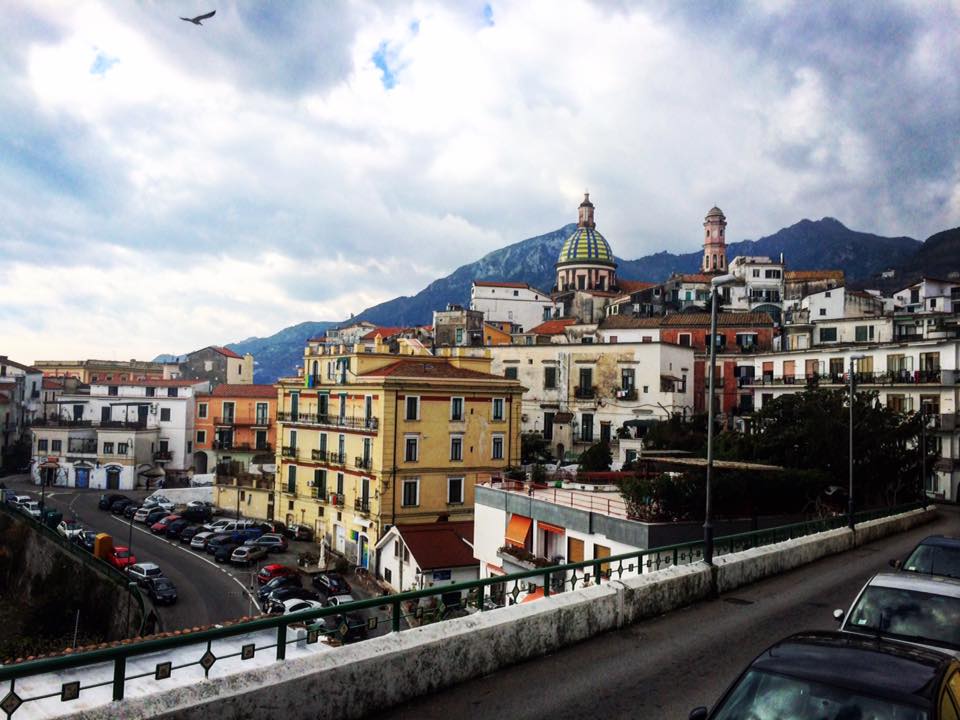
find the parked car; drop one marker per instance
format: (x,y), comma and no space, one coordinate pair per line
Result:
(345,627)
(288,607)
(31,508)
(119,506)
(331,583)
(176,527)
(108,499)
(269,572)
(159,501)
(284,581)
(86,540)
(817,675)
(299,532)
(121,557)
(218,525)
(279,595)
(18,500)
(130,510)
(247,555)
(141,573)
(201,504)
(241,535)
(199,541)
(224,551)
(161,590)
(188,533)
(918,609)
(273,527)
(334,600)
(935,555)
(70,529)
(160,526)
(154,516)
(270,543)
(141,514)
(217,540)
(196,514)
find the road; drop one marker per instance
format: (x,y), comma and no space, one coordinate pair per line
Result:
(664,667)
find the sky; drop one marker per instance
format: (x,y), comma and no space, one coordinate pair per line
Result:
(166,186)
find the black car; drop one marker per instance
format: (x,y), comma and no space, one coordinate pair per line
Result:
(223,549)
(273,527)
(331,583)
(274,601)
(345,627)
(155,516)
(284,581)
(162,590)
(176,527)
(833,675)
(197,514)
(130,510)
(108,499)
(86,540)
(935,555)
(299,532)
(120,505)
(186,535)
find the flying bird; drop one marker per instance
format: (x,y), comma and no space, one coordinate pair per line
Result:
(196,20)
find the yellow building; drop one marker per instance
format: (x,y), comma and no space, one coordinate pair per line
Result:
(369,439)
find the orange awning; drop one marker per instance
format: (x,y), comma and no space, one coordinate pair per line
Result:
(551,528)
(535,595)
(517,530)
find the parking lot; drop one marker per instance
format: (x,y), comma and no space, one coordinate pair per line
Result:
(208,592)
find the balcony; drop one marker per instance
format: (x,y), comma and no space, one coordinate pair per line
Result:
(242,447)
(362,463)
(627,394)
(362,506)
(329,457)
(60,422)
(224,420)
(76,446)
(232,420)
(163,455)
(288,451)
(122,425)
(350,423)
(585,393)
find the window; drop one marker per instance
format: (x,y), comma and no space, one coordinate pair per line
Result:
(683,339)
(498,408)
(721,340)
(828,334)
(411,494)
(756,273)
(549,378)
(201,437)
(456,409)
(201,410)
(263,413)
(864,333)
(164,414)
(772,274)
(320,482)
(498,447)
(510,373)
(411,449)
(171,392)
(56,445)
(455,491)
(546,312)
(164,446)
(189,446)
(823,311)
(292,479)
(627,379)
(456,447)
(459,339)
(548,425)
(342,447)
(747,340)
(413,407)
(586,427)
(123,448)
(151,392)
(827,294)
(339,483)
(42,445)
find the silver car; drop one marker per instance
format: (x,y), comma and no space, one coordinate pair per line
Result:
(920,610)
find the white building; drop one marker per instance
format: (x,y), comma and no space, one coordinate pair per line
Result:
(422,555)
(616,328)
(513,302)
(929,295)
(108,436)
(922,375)
(20,397)
(580,394)
(760,287)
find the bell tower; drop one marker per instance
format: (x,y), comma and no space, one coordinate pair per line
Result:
(586,213)
(715,242)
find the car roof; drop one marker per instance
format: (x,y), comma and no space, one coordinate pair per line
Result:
(892,670)
(148,566)
(942,541)
(297,601)
(930,584)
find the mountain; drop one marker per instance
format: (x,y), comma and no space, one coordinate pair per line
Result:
(281,353)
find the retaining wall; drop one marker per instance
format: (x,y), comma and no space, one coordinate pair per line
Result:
(359,679)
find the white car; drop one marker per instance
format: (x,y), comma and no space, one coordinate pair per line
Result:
(294,606)
(908,607)
(142,572)
(158,501)
(19,500)
(335,600)
(199,541)
(70,529)
(32,508)
(140,515)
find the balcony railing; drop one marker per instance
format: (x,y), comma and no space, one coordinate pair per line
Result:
(362,505)
(242,447)
(628,394)
(163,455)
(84,447)
(60,422)
(349,422)
(224,420)
(288,451)
(329,457)
(584,393)
(890,377)
(362,463)
(231,420)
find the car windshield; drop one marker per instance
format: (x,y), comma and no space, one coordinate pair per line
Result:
(767,696)
(935,560)
(907,615)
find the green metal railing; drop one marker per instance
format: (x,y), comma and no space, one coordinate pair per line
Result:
(344,624)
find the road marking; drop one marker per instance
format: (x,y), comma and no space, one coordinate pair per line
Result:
(193,554)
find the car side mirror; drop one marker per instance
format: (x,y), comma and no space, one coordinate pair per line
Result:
(838,615)
(896,564)
(699,713)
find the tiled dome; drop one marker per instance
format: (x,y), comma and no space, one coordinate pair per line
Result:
(586,245)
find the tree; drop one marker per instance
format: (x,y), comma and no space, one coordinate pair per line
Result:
(596,458)
(533,448)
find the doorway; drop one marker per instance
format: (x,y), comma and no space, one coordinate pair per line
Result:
(363,556)
(113,478)
(81,477)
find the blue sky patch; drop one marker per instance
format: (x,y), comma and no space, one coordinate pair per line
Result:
(488,14)
(102,63)
(381,58)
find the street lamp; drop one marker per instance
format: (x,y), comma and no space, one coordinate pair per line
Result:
(715,283)
(853,383)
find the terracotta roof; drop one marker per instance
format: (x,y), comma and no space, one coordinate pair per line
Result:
(440,545)
(20,366)
(52,383)
(384,332)
(632,286)
(225,351)
(494,283)
(626,322)
(808,275)
(697,278)
(245,391)
(746,319)
(438,368)
(552,327)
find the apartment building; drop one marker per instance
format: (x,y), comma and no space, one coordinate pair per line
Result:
(576,395)
(513,302)
(109,435)
(371,439)
(91,371)
(922,375)
(217,365)
(20,398)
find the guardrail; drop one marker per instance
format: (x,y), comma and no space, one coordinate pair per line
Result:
(442,603)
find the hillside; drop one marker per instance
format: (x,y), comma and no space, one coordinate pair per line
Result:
(279,354)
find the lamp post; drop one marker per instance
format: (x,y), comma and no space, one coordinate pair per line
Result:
(853,389)
(715,283)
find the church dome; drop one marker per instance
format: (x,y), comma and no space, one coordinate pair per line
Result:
(586,245)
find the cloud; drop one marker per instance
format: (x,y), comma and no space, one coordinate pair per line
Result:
(322,157)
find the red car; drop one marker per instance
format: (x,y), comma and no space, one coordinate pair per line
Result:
(274,570)
(121,557)
(162,525)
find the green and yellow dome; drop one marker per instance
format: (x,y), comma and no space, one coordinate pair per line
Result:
(586,245)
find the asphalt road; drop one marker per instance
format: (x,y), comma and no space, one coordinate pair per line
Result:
(664,667)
